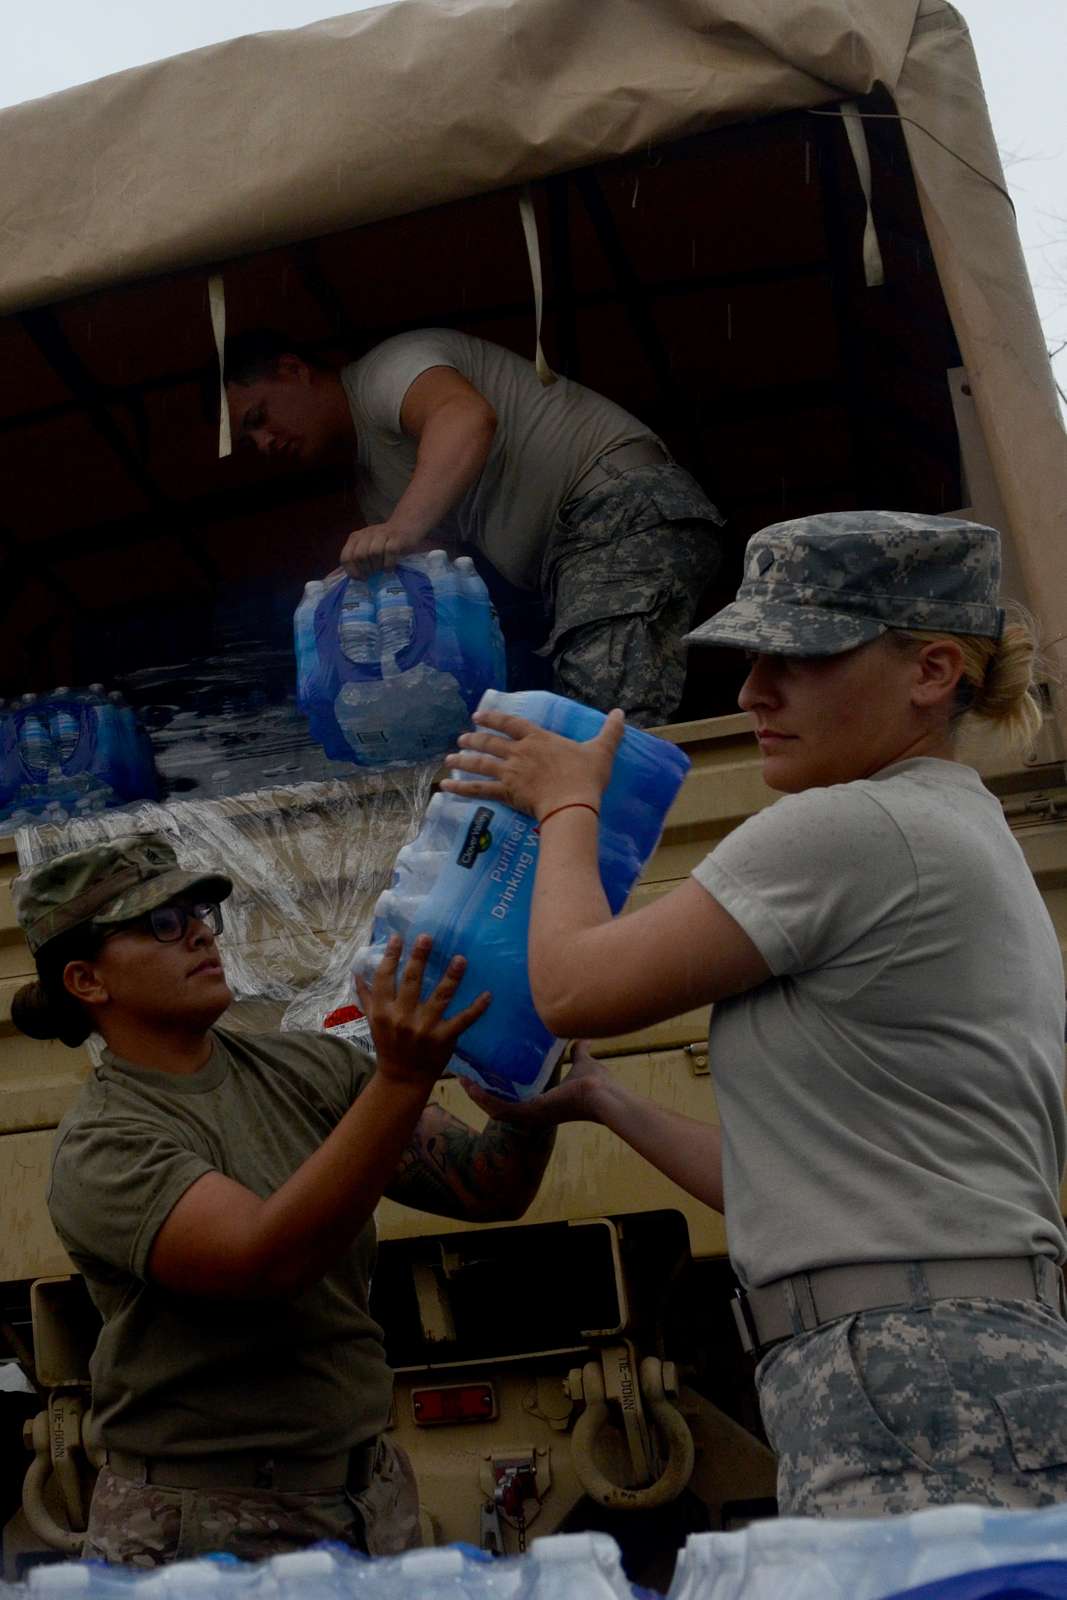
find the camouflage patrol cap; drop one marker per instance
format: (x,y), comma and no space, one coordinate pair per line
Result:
(105,883)
(821,585)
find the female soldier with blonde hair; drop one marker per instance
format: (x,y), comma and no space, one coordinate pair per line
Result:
(887,1039)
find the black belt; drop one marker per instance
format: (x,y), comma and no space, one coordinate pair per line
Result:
(809,1300)
(248,1469)
(640,453)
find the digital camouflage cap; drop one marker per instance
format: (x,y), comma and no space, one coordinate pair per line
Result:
(105,883)
(817,586)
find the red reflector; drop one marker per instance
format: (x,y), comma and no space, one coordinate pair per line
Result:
(460,1402)
(342,1014)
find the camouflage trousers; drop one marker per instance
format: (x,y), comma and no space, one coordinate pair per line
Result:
(150,1525)
(622,575)
(955,1401)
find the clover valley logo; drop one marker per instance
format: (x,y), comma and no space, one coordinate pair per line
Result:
(478,837)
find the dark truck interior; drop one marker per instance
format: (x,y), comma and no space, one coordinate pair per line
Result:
(714,286)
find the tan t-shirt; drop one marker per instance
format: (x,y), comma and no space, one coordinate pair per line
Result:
(176,1375)
(545,439)
(895,1091)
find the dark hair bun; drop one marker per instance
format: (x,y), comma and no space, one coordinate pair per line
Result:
(41,1016)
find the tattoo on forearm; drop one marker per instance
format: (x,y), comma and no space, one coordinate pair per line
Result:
(452,1171)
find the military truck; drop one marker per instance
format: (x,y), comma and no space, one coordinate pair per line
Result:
(780,235)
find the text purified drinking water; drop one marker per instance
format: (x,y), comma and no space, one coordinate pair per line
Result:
(467,880)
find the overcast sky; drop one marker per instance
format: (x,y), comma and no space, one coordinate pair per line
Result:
(1021,47)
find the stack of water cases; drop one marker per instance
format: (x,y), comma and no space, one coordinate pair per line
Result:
(952,1553)
(69,754)
(467,880)
(580,1566)
(390,668)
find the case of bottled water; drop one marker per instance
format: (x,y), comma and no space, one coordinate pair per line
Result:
(580,1566)
(390,667)
(467,880)
(69,754)
(951,1553)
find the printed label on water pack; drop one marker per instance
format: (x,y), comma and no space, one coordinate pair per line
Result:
(518,853)
(478,837)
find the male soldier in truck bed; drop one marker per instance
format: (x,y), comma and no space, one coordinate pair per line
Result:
(566,496)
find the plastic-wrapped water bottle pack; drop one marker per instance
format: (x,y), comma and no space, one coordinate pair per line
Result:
(952,1553)
(70,754)
(389,668)
(467,880)
(955,1553)
(579,1566)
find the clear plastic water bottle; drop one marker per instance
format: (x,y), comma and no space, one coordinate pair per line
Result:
(75,1580)
(359,633)
(64,723)
(313,1574)
(440,825)
(431,1574)
(363,716)
(401,716)
(470,580)
(304,631)
(10,765)
(135,775)
(142,755)
(35,741)
(110,753)
(417,867)
(564,1566)
(395,620)
(446,591)
(484,642)
(399,910)
(122,743)
(106,782)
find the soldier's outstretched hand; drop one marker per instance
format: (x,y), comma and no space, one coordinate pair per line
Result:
(413,1039)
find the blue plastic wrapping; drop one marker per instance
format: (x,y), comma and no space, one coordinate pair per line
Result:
(792,1559)
(71,753)
(467,880)
(1028,1580)
(390,668)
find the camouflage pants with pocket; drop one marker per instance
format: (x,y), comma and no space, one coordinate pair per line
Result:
(150,1525)
(952,1402)
(621,577)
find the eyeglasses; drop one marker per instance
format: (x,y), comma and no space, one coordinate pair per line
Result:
(169,923)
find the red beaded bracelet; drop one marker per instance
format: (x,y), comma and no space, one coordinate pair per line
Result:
(571,805)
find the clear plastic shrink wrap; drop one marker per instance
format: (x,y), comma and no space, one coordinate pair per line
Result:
(307,862)
(964,1552)
(569,1566)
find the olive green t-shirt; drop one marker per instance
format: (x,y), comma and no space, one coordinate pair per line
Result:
(183,1376)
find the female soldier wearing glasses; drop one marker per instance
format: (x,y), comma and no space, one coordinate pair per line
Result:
(217,1191)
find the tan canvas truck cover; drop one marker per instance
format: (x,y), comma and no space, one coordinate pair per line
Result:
(277,139)
(284,136)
